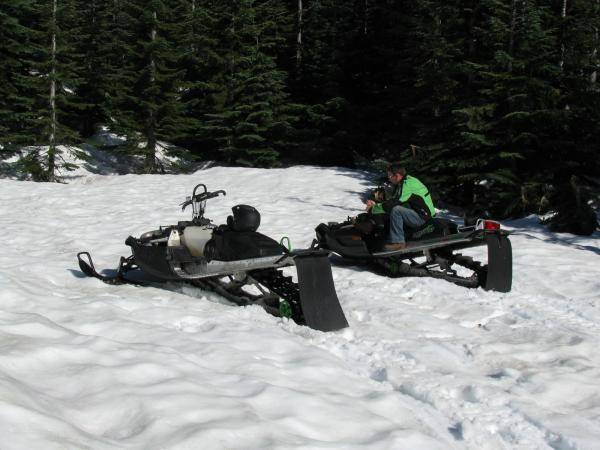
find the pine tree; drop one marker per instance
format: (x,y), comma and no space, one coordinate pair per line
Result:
(251,124)
(17,123)
(576,151)
(202,68)
(100,37)
(513,108)
(146,106)
(43,83)
(319,81)
(425,83)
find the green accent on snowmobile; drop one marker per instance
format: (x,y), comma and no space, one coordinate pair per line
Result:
(393,268)
(285,309)
(289,243)
(419,234)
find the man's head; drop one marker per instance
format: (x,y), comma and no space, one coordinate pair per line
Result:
(396,172)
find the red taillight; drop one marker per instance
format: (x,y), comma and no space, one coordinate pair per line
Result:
(483,224)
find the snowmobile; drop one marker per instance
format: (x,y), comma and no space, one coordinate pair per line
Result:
(361,239)
(228,258)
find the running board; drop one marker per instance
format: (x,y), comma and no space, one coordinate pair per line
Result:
(499,267)
(318,299)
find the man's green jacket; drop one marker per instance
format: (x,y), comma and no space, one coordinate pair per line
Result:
(410,193)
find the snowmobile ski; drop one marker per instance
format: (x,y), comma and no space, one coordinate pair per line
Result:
(88,268)
(227,258)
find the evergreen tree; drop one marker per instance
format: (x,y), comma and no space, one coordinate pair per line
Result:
(147,105)
(426,82)
(17,123)
(101,35)
(58,60)
(251,124)
(42,80)
(202,68)
(576,148)
(511,110)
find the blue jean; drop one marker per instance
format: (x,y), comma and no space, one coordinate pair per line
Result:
(401,217)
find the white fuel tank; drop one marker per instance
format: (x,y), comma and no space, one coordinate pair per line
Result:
(195,238)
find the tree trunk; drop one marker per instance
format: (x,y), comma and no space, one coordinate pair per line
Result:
(193,47)
(150,162)
(436,62)
(52,137)
(231,64)
(299,36)
(472,40)
(594,55)
(513,26)
(563,15)
(366,17)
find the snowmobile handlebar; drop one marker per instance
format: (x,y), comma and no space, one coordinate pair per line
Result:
(203,196)
(207,195)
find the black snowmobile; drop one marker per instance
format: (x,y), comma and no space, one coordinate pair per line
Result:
(227,258)
(360,240)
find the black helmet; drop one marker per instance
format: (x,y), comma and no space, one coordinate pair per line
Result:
(245,218)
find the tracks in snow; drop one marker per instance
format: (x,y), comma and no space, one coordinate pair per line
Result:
(465,377)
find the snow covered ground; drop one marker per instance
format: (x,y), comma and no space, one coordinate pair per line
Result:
(424,364)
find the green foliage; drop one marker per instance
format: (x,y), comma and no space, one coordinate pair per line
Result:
(253,119)
(31,165)
(146,105)
(18,123)
(487,101)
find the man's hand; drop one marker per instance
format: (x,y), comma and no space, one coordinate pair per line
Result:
(378,195)
(370,204)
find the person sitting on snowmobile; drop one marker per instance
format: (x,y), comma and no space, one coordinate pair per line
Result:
(409,205)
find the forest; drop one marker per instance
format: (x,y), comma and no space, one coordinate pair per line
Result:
(494,104)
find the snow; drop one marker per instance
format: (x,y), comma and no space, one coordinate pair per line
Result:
(92,158)
(424,364)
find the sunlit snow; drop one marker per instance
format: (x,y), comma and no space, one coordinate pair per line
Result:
(424,364)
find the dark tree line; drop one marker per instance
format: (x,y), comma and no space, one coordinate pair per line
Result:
(493,103)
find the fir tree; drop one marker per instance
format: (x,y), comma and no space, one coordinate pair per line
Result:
(100,36)
(17,123)
(43,82)
(202,67)
(250,126)
(147,106)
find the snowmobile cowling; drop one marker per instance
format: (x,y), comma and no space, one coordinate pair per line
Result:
(228,258)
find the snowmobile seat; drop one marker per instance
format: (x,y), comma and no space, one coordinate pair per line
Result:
(230,245)
(434,227)
(375,228)
(239,238)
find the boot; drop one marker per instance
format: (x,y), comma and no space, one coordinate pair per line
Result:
(393,246)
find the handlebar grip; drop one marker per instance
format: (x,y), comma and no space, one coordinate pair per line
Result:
(207,195)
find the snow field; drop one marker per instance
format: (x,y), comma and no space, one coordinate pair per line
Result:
(424,364)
